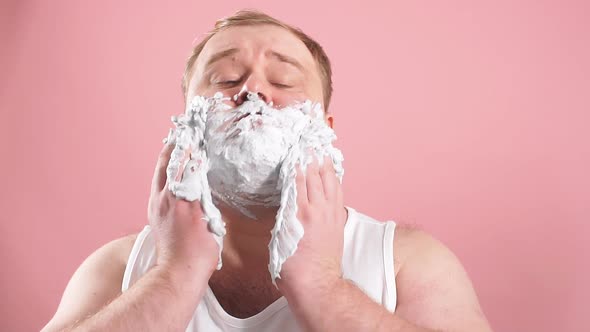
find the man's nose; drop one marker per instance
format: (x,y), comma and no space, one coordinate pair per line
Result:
(255,85)
(244,95)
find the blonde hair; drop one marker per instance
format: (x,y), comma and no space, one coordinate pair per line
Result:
(254,17)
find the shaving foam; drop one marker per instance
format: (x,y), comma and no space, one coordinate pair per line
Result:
(247,157)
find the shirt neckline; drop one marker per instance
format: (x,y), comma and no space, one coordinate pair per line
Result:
(252,321)
(267,312)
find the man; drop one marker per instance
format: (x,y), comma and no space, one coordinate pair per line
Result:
(349,273)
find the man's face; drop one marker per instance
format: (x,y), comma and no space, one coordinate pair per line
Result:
(264,58)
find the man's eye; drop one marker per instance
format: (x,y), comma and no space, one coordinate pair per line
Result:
(226,83)
(282,86)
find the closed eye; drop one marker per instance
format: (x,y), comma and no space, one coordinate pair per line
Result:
(282,86)
(228,83)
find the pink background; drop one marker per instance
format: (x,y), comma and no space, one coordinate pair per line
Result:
(483,109)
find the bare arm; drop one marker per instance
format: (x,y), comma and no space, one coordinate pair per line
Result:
(94,284)
(434,294)
(339,305)
(164,298)
(93,301)
(434,289)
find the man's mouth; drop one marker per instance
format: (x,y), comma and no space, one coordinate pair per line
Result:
(233,124)
(243,116)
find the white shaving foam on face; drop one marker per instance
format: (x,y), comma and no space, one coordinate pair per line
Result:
(247,157)
(194,184)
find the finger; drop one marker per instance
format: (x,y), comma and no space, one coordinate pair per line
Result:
(313,181)
(339,193)
(338,189)
(329,180)
(183,156)
(300,186)
(175,172)
(159,178)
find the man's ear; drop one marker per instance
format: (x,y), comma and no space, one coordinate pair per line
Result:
(329,118)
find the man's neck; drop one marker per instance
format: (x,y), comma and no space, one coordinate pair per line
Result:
(246,241)
(245,256)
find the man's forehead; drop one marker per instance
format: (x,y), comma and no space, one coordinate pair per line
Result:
(267,39)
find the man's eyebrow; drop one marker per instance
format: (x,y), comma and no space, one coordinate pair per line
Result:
(220,55)
(287,59)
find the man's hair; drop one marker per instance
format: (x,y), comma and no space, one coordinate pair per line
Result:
(254,17)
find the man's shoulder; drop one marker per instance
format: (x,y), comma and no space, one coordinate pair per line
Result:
(115,252)
(97,281)
(122,246)
(410,241)
(431,279)
(410,237)
(416,249)
(413,244)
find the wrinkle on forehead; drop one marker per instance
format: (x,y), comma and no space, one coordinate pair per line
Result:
(260,38)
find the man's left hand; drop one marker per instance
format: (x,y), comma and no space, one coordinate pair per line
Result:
(316,264)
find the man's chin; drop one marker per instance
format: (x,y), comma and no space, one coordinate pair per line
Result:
(252,212)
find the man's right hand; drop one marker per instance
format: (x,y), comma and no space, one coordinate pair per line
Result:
(187,255)
(183,240)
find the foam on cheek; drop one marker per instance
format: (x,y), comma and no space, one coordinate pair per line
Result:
(194,184)
(247,157)
(288,231)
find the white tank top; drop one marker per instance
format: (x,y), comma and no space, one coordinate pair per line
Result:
(367,260)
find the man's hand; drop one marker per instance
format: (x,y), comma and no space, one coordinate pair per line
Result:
(316,264)
(183,241)
(436,294)
(187,255)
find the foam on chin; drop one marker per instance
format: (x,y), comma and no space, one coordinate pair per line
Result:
(246,147)
(247,157)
